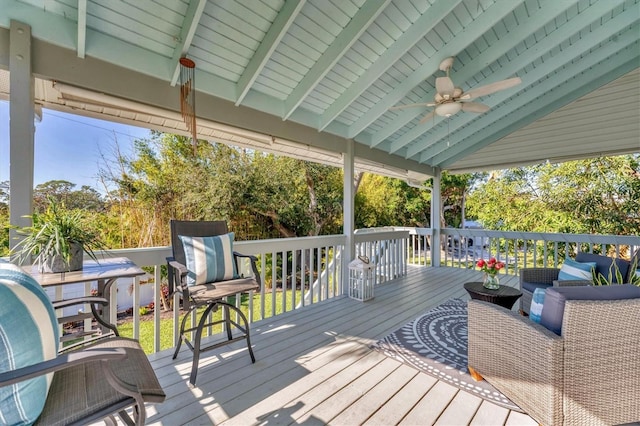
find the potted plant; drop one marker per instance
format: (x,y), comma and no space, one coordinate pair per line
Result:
(57,239)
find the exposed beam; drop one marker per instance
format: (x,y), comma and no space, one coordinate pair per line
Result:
(432,16)
(82,27)
(56,63)
(584,44)
(566,72)
(554,98)
(347,37)
(278,29)
(549,9)
(187,31)
(459,42)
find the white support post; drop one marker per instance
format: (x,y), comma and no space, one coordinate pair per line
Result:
(21,127)
(436,224)
(348,212)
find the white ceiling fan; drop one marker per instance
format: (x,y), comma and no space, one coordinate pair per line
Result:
(450,99)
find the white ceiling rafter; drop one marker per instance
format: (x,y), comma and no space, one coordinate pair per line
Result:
(82,27)
(525,106)
(500,9)
(349,35)
(402,45)
(278,29)
(490,55)
(580,47)
(184,39)
(262,60)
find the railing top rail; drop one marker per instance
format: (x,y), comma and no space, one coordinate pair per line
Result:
(542,236)
(382,235)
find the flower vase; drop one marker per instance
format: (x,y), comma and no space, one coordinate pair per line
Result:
(491,281)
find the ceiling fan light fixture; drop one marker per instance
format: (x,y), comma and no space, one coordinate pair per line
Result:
(448,109)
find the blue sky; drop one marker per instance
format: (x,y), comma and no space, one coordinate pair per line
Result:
(68,146)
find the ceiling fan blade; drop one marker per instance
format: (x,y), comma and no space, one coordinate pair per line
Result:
(491,88)
(474,107)
(427,116)
(423,104)
(445,87)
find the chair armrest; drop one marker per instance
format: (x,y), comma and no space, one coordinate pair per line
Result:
(522,359)
(253,262)
(59,363)
(80,300)
(571,283)
(538,275)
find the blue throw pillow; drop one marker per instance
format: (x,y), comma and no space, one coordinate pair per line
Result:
(535,311)
(209,259)
(572,270)
(28,335)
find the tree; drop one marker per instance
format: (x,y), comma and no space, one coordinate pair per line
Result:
(600,195)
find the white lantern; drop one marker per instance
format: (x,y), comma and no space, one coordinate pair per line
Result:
(362,280)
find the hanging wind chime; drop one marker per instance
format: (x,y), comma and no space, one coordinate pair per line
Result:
(188,97)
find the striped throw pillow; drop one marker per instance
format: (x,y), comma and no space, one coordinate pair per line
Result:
(209,259)
(28,335)
(572,270)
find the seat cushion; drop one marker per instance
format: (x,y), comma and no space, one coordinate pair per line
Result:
(28,335)
(556,297)
(603,264)
(531,287)
(209,259)
(574,270)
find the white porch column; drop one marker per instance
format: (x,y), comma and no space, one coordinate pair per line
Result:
(348,213)
(436,224)
(21,126)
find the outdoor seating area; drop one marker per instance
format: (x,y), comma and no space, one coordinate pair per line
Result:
(316,366)
(43,383)
(563,370)
(578,274)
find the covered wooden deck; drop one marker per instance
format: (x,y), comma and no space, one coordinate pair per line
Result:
(314,366)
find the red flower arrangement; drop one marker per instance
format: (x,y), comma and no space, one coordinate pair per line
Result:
(491,267)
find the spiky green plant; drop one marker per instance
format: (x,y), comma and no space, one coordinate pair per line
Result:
(54,232)
(614,272)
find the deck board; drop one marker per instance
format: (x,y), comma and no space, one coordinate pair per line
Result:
(315,366)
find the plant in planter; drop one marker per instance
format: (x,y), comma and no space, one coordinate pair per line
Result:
(614,272)
(57,239)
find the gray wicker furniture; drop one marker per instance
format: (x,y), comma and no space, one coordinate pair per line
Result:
(532,278)
(588,375)
(211,296)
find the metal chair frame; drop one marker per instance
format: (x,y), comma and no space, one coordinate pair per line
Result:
(212,295)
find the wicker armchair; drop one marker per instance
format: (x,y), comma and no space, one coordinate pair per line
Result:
(588,375)
(531,278)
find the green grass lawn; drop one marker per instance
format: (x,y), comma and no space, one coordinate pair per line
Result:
(166,325)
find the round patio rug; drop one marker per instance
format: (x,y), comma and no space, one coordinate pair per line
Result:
(436,343)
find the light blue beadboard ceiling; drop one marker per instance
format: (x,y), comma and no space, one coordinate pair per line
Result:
(338,66)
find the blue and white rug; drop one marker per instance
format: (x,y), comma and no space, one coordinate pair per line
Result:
(436,343)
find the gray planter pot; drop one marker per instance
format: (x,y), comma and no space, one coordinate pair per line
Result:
(58,264)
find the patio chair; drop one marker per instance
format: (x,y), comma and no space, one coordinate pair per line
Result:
(532,278)
(578,366)
(39,384)
(204,272)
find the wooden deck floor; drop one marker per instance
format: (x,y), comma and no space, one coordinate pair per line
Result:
(314,366)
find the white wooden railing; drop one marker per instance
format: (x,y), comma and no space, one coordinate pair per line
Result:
(463,247)
(295,272)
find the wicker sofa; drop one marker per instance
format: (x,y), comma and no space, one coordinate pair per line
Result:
(532,278)
(586,375)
